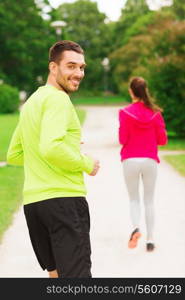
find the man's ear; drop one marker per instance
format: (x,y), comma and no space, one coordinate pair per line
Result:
(53,67)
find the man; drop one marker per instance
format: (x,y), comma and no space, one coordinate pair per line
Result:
(47,142)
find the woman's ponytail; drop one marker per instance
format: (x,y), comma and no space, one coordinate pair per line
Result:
(140,90)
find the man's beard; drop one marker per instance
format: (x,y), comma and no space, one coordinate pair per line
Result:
(65,88)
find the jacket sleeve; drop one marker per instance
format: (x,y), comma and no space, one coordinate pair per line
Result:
(123,127)
(15,151)
(161,132)
(54,146)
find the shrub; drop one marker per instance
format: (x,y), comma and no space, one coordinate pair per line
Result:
(168,84)
(9,99)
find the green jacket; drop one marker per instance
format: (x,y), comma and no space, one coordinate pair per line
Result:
(46,142)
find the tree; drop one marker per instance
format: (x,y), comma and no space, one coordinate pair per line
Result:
(135,7)
(86,26)
(24,46)
(179,9)
(166,74)
(126,60)
(133,40)
(131,12)
(159,56)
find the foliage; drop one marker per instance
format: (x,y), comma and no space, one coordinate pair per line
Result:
(158,54)
(167,74)
(179,9)
(91,32)
(135,7)
(142,42)
(140,26)
(9,99)
(131,13)
(24,46)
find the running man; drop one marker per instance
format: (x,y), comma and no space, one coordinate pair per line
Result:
(47,143)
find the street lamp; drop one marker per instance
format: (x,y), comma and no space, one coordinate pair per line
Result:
(105,64)
(22,97)
(58,27)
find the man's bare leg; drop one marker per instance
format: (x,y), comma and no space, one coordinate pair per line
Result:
(53,274)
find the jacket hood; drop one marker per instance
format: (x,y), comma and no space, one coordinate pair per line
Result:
(142,115)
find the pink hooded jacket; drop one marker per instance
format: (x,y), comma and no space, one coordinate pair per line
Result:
(141,130)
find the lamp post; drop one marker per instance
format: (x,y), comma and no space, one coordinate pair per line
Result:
(58,27)
(22,97)
(105,64)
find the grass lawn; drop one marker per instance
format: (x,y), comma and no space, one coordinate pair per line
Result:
(174,144)
(177,161)
(99,100)
(11,181)
(7,124)
(11,178)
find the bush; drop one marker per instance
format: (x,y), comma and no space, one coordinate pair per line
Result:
(9,99)
(167,84)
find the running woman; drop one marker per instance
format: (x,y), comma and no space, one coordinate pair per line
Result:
(141,130)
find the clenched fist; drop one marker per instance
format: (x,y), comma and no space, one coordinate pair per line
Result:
(96,168)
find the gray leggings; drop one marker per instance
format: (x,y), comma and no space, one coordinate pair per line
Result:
(146,169)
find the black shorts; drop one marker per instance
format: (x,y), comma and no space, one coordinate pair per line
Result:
(59,232)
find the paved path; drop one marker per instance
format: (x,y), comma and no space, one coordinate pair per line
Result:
(110,222)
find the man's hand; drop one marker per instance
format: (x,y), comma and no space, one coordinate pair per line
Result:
(96,168)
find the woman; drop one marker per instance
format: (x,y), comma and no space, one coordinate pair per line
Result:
(141,130)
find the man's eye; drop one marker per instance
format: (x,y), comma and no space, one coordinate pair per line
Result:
(71,67)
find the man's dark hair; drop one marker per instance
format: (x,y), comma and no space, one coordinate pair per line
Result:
(56,51)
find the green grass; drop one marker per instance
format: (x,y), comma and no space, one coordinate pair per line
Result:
(11,181)
(7,124)
(174,144)
(11,178)
(99,100)
(177,161)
